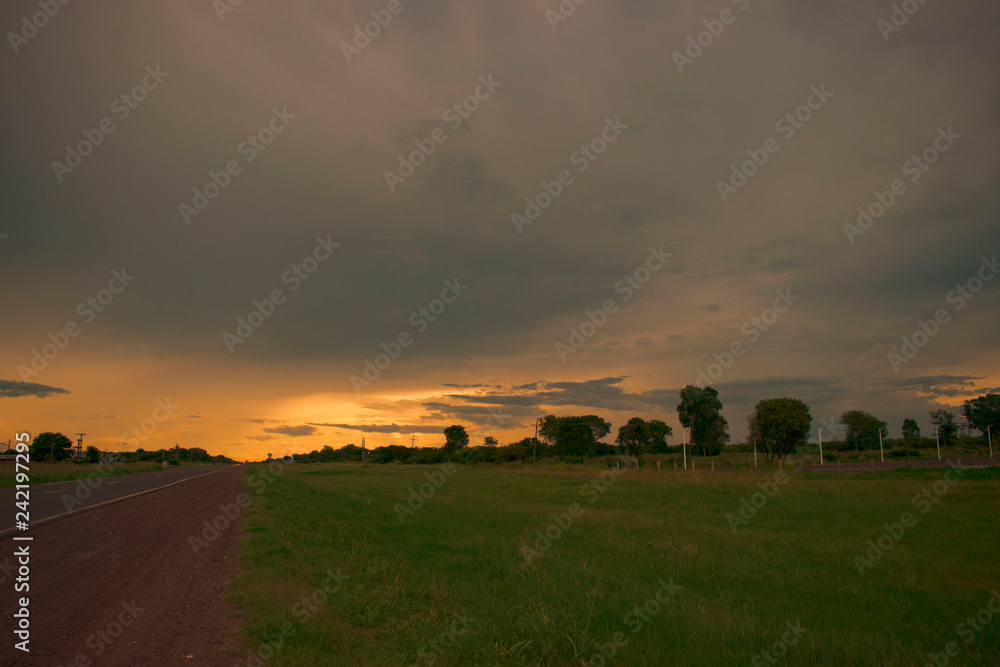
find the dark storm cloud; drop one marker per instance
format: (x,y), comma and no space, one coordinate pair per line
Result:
(464,173)
(605,393)
(324,175)
(11,389)
(301,430)
(385,428)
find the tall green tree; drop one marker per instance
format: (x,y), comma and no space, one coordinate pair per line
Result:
(455,438)
(659,431)
(945,426)
(911,431)
(983,412)
(573,436)
(862,429)
(634,437)
(781,424)
(700,410)
(547,429)
(51,446)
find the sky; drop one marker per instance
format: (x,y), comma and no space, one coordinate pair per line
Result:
(215,218)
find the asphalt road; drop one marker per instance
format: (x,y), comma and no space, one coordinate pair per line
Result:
(48,501)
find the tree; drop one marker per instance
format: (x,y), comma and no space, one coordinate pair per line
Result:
(455,438)
(781,424)
(634,436)
(862,429)
(574,436)
(93,454)
(699,410)
(547,429)
(983,412)
(489,441)
(51,446)
(753,431)
(658,433)
(946,426)
(911,431)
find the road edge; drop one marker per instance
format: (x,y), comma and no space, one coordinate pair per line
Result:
(4,534)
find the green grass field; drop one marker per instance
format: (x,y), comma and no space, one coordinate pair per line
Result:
(398,587)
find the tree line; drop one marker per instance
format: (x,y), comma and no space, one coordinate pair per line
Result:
(776,428)
(52,447)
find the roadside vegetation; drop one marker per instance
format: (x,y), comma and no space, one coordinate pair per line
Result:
(779,429)
(53,459)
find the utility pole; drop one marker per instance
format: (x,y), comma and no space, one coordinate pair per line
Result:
(990,438)
(821,445)
(362,449)
(534,456)
(413,446)
(685,448)
(881,451)
(937,435)
(79,445)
